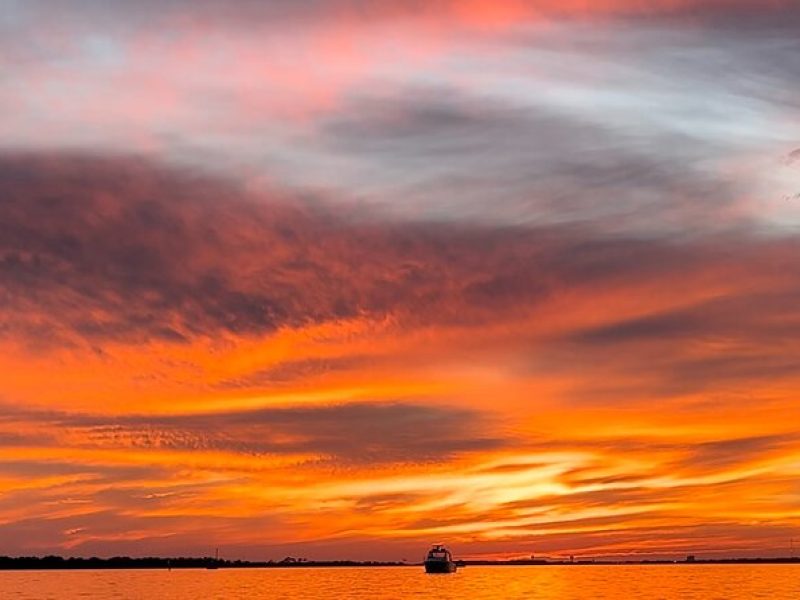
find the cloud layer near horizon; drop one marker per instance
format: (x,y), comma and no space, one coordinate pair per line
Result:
(309,276)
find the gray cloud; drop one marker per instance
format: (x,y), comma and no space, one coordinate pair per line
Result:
(119,249)
(122,250)
(628,125)
(380,432)
(725,453)
(295,370)
(449,151)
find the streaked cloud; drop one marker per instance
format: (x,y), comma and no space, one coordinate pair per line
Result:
(361,432)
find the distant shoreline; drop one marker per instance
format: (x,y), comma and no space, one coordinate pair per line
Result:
(29,563)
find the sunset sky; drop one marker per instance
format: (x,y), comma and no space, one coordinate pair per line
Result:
(343,278)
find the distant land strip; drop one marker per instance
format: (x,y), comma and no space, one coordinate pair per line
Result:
(123,562)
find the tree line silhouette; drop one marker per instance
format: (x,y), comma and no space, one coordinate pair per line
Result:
(127,562)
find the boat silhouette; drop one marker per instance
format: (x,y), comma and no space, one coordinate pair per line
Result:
(439,560)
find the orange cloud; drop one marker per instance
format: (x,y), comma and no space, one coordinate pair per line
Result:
(244,370)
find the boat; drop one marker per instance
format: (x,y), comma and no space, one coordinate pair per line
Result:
(439,560)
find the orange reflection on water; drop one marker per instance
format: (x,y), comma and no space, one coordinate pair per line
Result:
(599,582)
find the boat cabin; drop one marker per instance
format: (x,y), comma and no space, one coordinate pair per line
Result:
(439,552)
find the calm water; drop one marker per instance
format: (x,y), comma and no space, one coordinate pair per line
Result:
(662,582)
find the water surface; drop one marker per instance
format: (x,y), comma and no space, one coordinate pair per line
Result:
(657,582)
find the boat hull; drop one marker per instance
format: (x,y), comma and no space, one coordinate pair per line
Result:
(440,566)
